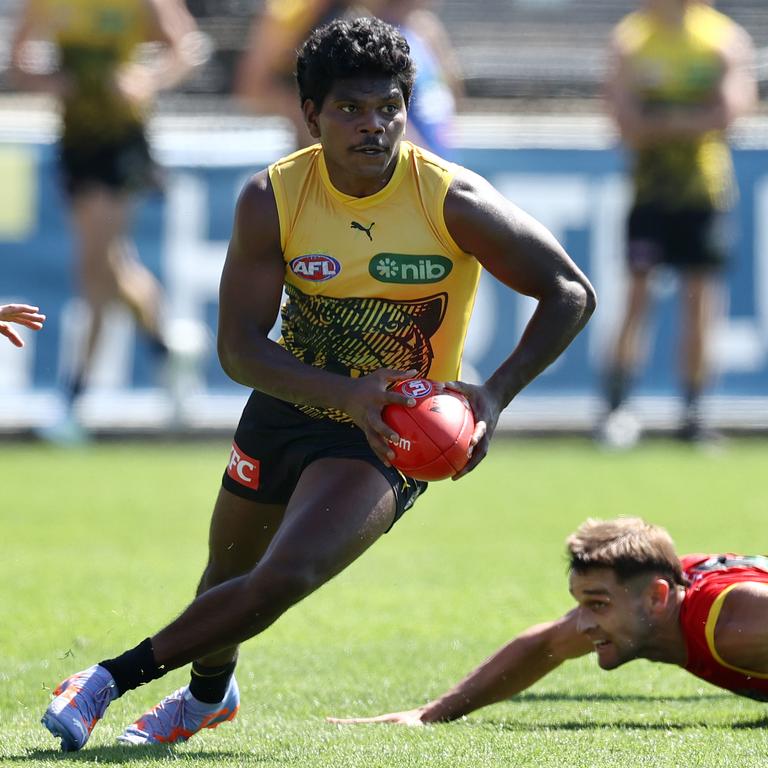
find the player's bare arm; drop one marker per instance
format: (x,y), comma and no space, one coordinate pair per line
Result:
(170,24)
(249,302)
(513,668)
(621,97)
(20,314)
(741,632)
(30,27)
(521,253)
(260,70)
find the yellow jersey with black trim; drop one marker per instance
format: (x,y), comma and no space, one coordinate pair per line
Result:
(94,39)
(372,282)
(673,68)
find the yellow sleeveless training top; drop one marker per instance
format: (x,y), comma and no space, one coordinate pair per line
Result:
(674,67)
(94,38)
(372,282)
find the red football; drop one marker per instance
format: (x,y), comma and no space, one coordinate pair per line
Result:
(434,434)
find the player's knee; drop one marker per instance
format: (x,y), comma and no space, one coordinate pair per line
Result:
(275,587)
(217,572)
(97,286)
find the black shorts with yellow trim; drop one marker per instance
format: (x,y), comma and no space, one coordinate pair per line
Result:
(122,164)
(687,239)
(275,442)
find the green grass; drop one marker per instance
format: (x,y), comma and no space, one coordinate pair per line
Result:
(104,545)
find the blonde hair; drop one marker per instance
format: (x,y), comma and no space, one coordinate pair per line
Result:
(627,545)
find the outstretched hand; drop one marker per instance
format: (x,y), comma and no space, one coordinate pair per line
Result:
(369,397)
(412,717)
(21,314)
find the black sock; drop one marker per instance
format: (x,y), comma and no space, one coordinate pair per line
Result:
(74,387)
(134,668)
(158,347)
(616,387)
(692,396)
(209,684)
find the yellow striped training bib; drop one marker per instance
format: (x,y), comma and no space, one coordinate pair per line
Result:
(373,282)
(673,68)
(94,38)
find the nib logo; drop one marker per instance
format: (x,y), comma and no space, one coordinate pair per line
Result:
(407,268)
(388,268)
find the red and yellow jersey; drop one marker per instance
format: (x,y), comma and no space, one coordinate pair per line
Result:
(373,282)
(94,39)
(711,578)
(675,68)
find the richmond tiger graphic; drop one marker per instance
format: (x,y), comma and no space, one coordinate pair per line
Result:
(356,336)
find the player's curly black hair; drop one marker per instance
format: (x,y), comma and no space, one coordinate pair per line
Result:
(353,48)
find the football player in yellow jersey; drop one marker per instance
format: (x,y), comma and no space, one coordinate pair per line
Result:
(378,245)
(104,155)
(681,73)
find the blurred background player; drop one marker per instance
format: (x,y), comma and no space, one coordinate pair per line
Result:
(21,314)
(104,156)
(637,600)
(265,80)
(439,86)
(681,72)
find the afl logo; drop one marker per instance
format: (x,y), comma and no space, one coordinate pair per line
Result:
(316,267)
(417,388)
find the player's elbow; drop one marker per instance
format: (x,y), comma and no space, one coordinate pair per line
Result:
(581,295)
(191,52)
(228,358)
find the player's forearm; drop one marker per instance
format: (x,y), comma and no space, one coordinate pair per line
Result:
(270,368)
(55,83)
(684,123)
(512,669)
(174,65)
(554,324)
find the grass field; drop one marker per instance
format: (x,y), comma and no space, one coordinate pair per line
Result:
(103,545)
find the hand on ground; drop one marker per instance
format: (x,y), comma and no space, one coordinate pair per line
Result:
(410,717)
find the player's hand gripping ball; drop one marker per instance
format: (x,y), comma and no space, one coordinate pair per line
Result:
(434,434)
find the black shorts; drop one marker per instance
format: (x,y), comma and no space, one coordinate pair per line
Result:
(123,164)
(274,443)
(686,239)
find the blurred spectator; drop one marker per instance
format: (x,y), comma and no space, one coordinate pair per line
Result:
(21,314)
(681,72)
(265,80)
(439,83)
(104,156)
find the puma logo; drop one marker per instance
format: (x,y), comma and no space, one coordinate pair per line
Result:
(367,230)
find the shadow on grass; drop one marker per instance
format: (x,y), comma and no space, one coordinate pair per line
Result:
(622,725)
(595,697)
(761,722)
(567,725)
(119,755)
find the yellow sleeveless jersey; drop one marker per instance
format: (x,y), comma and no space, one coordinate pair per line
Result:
(94,38)
(674,68)
(372,282)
